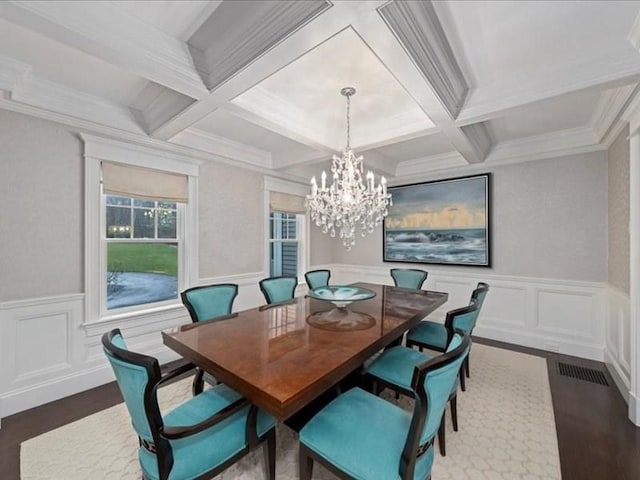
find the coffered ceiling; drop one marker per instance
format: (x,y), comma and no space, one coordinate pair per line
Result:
(440,85)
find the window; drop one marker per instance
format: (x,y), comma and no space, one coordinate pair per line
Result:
(286,228)
(142,251)
(141,242)
(285,231)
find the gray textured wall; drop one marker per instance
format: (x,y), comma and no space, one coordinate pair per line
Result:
(41,219)
(618,241)
(549,221)
(231,220)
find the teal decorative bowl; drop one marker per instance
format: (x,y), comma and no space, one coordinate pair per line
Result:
(341,295)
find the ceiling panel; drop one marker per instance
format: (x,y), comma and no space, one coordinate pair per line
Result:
(571,111)
(224,124)
(70,67)
(416,148)
(173,18)
(498,41)
(305,96)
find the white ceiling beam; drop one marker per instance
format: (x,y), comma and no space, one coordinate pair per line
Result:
(375,33)
(494,101)
(326,25)
(105,31)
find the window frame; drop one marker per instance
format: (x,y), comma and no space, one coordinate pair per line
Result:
(299,240)
(273,184)
(96,150)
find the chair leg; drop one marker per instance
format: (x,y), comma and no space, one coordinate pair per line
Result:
(198,382)
(454,412)
(306,464)
(441,436)
(269,450)
(466,366)
(463,386)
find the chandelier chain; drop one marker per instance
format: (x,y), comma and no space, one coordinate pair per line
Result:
(348,122)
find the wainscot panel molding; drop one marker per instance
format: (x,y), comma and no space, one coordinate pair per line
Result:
(46,353)
(617,348)
(555,315)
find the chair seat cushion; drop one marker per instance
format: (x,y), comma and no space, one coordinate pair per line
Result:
(430,334)
(396,364)
(363,435)
(197,454)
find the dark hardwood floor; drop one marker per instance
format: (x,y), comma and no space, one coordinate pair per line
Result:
(595,438)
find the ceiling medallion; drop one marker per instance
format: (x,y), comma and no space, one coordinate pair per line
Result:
(348,204)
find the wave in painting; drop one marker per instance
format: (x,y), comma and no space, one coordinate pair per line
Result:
(462,245)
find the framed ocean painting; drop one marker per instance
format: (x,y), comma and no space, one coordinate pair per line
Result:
(443,222)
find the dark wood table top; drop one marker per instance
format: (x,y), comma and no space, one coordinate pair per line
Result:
(278,359)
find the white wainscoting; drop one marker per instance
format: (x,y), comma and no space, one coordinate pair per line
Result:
(554,315)
(617,348)
(47,351)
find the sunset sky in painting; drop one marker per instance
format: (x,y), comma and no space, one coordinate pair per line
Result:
(444,205)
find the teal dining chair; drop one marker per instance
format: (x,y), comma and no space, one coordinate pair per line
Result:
(278,289)
(408,277)
(361,436)
(393,368)
(199,438)
(317,278)
(433,335)
(208,302)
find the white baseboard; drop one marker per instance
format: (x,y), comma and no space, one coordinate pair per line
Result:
(619,378)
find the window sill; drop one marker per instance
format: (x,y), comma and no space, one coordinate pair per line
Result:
(140,317)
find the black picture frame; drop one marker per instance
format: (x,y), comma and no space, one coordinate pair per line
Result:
(442,222)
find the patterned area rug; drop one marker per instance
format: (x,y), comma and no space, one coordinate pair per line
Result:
(507,431)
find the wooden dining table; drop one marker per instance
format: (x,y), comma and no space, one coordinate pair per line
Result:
(283,356)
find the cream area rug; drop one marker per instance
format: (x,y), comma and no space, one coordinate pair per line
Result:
(506,432)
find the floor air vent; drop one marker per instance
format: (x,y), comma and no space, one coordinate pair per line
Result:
(582,373)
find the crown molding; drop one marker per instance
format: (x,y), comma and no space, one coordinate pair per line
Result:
(417,27)
(260,35)
(540,147)
(556,144)
(195,138)
(492,101)
(429,164)
(606,120)
(82,125)
(108,32)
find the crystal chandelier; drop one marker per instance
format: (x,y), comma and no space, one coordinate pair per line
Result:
(348,204)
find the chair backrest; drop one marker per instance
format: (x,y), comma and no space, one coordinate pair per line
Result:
(432,383)
(210,301)
(317,278)
(137,376)
(278,289)
(463,318)
(480,293)
(408,277)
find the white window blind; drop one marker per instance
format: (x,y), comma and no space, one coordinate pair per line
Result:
(131,181)
(285,202)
